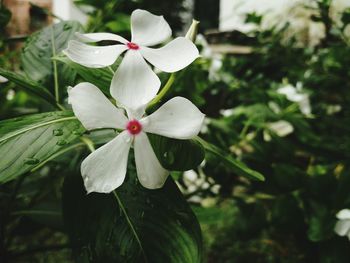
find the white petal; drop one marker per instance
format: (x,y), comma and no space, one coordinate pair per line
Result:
(148,29)
(134,84)
(93,56)
(104,169)
(93,109)
(343,214)
(342,227)
(149,171)
(96,37)
(178,118)
(174,56)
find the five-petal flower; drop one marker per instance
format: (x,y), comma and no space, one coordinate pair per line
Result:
(104,169)
(342,227)
(134,75)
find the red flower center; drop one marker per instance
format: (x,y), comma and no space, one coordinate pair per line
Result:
(134,127)
(133,46)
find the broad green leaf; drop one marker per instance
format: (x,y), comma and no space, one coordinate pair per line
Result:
(133,224)
(177,155)
(28,85)
(26,142)
(237,166)
(42,46)
(101,77)
(48,213)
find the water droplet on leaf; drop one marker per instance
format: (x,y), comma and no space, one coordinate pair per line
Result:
(61,142)
(57,132)
(77,132)
(66,27)
(169,157)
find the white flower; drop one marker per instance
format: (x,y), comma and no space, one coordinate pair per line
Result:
(296,94)
(280,128)
(3,79)
(134,74)
(342,228)
(104,169)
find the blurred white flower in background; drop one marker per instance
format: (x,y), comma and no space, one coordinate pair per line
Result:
(215,58)
(10,94)
(280,128)
(297,95)
(196,182)
(3,79)
(277,13)
(342,227)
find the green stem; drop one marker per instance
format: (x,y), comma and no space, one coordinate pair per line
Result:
(55,74)
(130,224)
(163,92)
(88,143)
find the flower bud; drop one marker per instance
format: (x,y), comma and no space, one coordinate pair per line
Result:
(192,31)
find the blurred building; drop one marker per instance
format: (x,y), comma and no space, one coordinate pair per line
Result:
(27,15)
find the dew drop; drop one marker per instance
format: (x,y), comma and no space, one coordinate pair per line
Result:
(77,132)
(66,27)
(31,161)
(57,132)
(41,54)
(96,52)
(128,139)
(169,157)
(61,142)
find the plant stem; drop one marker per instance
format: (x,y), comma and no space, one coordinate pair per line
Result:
(163,92)
(88,143)
(55,74)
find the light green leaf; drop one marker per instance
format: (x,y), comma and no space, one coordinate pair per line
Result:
(101,77)
(132,225)
(29,85)
(26,142)
(42,46)
(237,166)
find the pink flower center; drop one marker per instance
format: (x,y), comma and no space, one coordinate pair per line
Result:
(134,127)
(132,46)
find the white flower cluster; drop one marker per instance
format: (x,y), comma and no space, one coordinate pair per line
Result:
(134,86)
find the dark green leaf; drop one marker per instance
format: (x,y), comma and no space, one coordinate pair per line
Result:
(28,85)
(38,52)
(101,77)
(133,225)
(237,166)
(177,155)
(26,142)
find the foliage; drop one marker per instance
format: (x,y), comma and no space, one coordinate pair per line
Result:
(287,218)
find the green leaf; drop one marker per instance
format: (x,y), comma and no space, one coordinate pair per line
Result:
(177,155)
(237,166)
(132,225)
(101,77)
(27,142)
(38,52)
(29,85)
(48,213)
